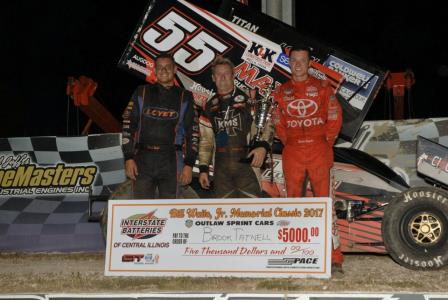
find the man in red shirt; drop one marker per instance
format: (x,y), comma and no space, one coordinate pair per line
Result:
(308,121)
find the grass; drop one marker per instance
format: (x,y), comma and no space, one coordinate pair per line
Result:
(84,273)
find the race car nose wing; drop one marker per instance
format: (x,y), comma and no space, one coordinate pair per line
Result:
(371,165)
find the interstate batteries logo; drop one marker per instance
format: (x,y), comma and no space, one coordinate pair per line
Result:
(142,226)
(25,178)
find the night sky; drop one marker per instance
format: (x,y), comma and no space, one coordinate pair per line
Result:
(44,42)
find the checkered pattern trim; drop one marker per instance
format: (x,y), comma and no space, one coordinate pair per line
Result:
(102,150)
(395,143)
(59,222)
(51,223)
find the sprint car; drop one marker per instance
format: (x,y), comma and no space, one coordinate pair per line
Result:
(377,211)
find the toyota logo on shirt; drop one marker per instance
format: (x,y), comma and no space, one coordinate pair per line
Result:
(302,108)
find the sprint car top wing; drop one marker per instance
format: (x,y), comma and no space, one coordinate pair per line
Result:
(196,36)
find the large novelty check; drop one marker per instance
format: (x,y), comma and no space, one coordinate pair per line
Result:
(217,237)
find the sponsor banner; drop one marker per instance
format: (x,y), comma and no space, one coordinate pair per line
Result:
(217,237)
(31,179)
(41,166)
(358,83)
(45,185)
(196,37)
(432,160)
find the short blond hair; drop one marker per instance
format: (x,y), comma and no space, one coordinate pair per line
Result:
(221,60)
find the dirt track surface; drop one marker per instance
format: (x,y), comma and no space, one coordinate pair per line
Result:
(83,273)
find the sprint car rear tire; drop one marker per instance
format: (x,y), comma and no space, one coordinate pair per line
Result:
(415,229)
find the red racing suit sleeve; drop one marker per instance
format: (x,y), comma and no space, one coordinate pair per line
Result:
(279,118)
(334,117)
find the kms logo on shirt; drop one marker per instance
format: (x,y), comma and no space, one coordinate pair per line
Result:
(229,123)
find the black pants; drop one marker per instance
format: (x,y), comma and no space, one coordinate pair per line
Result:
(157,170)
(234,179)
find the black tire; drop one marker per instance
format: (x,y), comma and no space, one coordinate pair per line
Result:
(415,229)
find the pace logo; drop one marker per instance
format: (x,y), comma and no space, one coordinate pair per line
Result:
(289,261)
(142,226)
(302,108)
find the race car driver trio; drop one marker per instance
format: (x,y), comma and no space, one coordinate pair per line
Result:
(164,132)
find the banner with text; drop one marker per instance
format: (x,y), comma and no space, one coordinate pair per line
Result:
(45,184)
(55,166)
(217,237)
(258,46)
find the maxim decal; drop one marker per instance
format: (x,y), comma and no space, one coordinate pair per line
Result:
(142,226)
(25,178)
(247,75)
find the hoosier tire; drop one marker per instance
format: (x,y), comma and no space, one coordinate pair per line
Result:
(415,229)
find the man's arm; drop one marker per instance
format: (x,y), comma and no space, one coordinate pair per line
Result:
(191,127)
(131,121)
(278,117)
(206,150)
(334,117)
(191,139)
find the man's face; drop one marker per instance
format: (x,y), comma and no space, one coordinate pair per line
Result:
(223,78)
(165,70)
(299,62)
